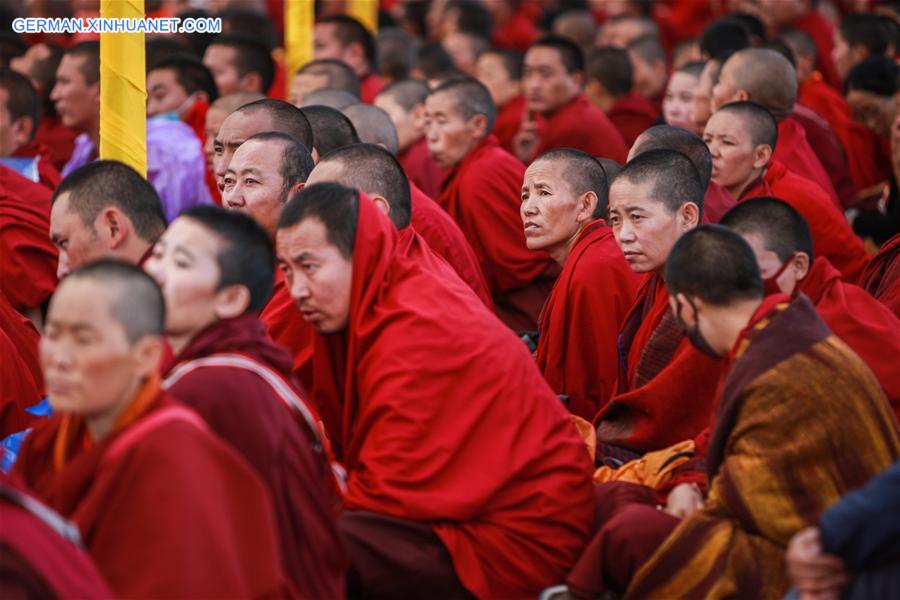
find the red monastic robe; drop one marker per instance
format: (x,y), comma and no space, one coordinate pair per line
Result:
(21,381)
(461,431)
(509,119)
(828,150)
(285,324)
(241,384)
(518,32)
(632,115)
(482,195)
(716,202)
(832,236)
(369,87)
(165,508)
(48,175)
(581,125)
(577,348)
(27,257)
(446,238)
(821,31)
(421,169)
(57,139)
(666,387)
(794,152)
(882,276)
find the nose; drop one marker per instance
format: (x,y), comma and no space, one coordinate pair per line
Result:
(153,268)
(299,288)
(625,233)
(221,163)
(529,208)
(62,267)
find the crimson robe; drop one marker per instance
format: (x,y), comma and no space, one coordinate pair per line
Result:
(21,382)
(793,150)
(716,202)
(509,119)
(447,421)
(577,348)
(581,125)
(828,150)
(882,275)
(666,387)
(285,324)
(369,87)
(482,195)
(165,508)
(518,32)
(446,238)
(632,115)
(821,31)
(831,234)
(28,263)
(58,139)
(421,169)
(253,415)
(48,175)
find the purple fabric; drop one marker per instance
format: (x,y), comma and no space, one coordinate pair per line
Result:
(175,164)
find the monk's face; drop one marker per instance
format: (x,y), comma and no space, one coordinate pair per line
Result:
(769,264)
(214,119)
(450,136)
(222,63)
(304,83)
(164,93)
(644,227)
(76,99)
(318,276)
(235,129)
(649,76)
(78,242)
(184,264)
(736,160)
(90,367)
(408,124)
(726,89)
(702,109)
(678,102)
(551,213)
(253,183)
(491,71)
(546,83)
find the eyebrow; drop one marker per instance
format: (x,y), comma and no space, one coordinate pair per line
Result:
(184,250)
(305,254)
(250,171)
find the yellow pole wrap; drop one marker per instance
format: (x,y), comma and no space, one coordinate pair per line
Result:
(123,89)
(298,34)
(366,11)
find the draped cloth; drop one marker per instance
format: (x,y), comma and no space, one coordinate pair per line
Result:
(801,422)
(882,275)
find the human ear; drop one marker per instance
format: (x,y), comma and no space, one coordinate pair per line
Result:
(147,355)
(232,301)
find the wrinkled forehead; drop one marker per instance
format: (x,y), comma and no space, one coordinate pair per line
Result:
(264,155)
(549,170)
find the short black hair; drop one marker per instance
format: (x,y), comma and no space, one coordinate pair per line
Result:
(867,30)
(715,264)
(340,75)
(296,160)
(472,98)
(350,31)
(331,128)
(583,173)
(472,17)
(43,72)
(373,169)
(432,59)
(103,183)
(693,68)
(612,68)
(667,137)
(137,301)
(672,175)
(247,257)
(157,49)
(11,46)
(782,228)
(251,23)
(760,121)
(512,61)
(396,53)
(190,73)
(570,53)
(724,37)
(335,206)
(755,27)
(250,56)
(90,52)
(373,126)
(876,74)
(286,118)
(407,93)
(800,43)
(649,49)
(22,99)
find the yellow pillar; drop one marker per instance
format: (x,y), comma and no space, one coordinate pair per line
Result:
(366,11)
(123,89)
(298,34)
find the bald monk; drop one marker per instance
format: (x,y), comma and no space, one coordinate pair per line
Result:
(564,198)
(331,129)
(741,138)
(336,99)
(666,386)
(215,116)
(882,275)
(416,521)
(787,374)
(373,126)
(716,199)
(404,102)
(325,73)
(501,73)
(781,240)
(767,78)
(374,171)
(482,195)
(28,264)
(216,270)
(104,209)
(559,115)
(263,115)
(165,508)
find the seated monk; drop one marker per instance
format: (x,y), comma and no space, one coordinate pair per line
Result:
(216,114)
(665,387)
(742,137)
(882,275)
(165,507)
(322,74)
(716,199)
(104,209)
(20,106)
(465,474)
(216,269)
(558,113)
(788,374)
(564,198)
(767,78)
(482,195)
(21,384)
(781,240)
(678,101)
(331,129)
(501,73)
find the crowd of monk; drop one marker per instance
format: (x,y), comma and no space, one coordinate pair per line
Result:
(514,298)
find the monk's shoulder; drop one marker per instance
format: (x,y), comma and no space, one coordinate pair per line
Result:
(493,168)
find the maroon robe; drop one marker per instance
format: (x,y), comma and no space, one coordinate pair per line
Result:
(882,275)
(581,125)
(421,168)
(509,119)
(21,383)
(58,139)
(48,174)
(285,325)
(716,202)
(827,147)
(632,115)
(794,152)
(369,87)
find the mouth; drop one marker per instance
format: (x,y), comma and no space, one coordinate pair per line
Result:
(631,254)
(311,315)
(233,205)
(531,227)
(59,387)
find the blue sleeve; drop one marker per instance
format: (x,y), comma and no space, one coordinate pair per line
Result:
(863,527)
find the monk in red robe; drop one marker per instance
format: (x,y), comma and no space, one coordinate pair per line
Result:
(559,115)
(501,73)
(482,195)
(514,24)
(803,15)
(564,199)
(228,370)
(882,275)
(781,240)
(741,137)
(413,340)
(165,508)
(666,386)
(344,38)
(20,387)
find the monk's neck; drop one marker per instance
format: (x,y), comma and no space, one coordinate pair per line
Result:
(100,426)
(561,251)
(738,190)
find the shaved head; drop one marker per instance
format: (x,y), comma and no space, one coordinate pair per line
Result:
(666,137)
(470,98)
(336,75)
(231,102)
(781,228)
(285,117)
(331,128)
(407,93)
(758,121)
(767,77)
(671,175)
(582,172)
(374,126)
(336,99)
